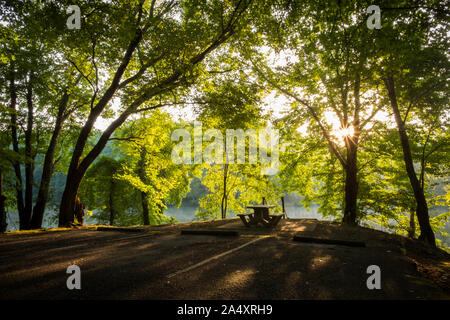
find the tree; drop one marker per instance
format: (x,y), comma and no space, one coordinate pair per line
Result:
(154,68)
(326,80)
(413,77)
(40,89)
(103,192)
(148,166)
(5,172)
(230,109)
(228,104)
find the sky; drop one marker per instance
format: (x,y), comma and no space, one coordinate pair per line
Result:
(276,104)
(271,103)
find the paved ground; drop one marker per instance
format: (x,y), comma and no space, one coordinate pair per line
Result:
(152,264)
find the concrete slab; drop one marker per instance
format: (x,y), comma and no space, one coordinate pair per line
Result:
(349,243)
(233,224)
(211,232)
(286,227)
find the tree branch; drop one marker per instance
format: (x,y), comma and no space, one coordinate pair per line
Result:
(314,115)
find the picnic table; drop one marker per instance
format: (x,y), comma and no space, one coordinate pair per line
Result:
(260,215)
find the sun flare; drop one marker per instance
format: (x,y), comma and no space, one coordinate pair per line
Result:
(338,132)
(342,133)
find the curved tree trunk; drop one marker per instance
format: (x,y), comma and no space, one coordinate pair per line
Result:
(77,171)
(47,170)
(67,207)
(29,158)
(78,167)
(426,233)
(15,143)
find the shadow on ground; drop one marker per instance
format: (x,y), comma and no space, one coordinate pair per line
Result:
(136,265)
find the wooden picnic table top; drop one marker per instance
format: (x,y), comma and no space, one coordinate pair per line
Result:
(261,206)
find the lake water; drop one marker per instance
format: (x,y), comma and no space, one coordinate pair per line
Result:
(187,214)
(182,214)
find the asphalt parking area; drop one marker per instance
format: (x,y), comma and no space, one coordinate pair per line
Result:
(165,264)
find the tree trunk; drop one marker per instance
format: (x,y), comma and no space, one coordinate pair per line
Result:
(145,213)
(77,168)
(351,185)
(3,224)
(111,203)
(47,170)
(223,206)
(412,225)
(29,158)
(15,143)
(144,200)
(75,173)
(351,168)
(79,211)
(67,206)
(426,233)
(283,208)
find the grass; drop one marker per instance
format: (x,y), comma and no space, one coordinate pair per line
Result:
(36,231)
